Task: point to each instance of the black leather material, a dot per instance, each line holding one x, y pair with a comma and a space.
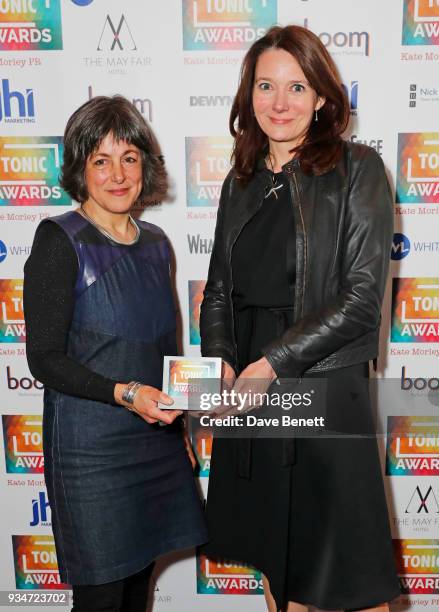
344, 229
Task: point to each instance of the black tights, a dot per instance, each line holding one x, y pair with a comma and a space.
127, 595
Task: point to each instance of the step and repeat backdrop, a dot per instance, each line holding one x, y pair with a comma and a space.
178, 61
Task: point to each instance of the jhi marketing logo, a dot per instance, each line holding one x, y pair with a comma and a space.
225, 24
202, 444
207, 163
23, 441
227, 578
41, 515
415, 310
412, 446
35, 562
418, 565
29, 171
400, 247
420, 22
12, 327
27, 25
16, 106
196, 288
417, 178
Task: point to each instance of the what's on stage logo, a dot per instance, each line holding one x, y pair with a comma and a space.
418, 565
417, 178
207, 163
225, 24
23, 442
12, 326
30, 25
420, 24
415, 310
35, 562
227, 578
412, 446
195, 288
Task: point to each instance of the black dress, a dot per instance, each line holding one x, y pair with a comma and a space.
315, 524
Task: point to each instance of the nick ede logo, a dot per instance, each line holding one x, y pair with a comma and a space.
412, 446
207, 163
420, 24
418, 565
16, 106
30, 25
23, 443
35, 562
116, 35
417, 179
227, 578
196, 289
415, 310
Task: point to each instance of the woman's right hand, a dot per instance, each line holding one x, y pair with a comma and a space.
146, 401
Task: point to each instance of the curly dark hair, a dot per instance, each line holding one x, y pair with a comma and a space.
86, 129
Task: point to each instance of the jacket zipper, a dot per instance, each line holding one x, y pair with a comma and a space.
305, 245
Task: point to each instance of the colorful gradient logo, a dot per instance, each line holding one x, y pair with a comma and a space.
12, 327
207, 163
202, 444
35, 561
412, 446
196, 288
420, 24
227, 578
29, 171
31, 26
417, 179
182, 375
415, 310
23, 441
225, 24
418, 565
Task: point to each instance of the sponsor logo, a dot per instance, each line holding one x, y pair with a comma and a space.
12, 328
227, 578
3, 251
199, 245
28, 25
351, 92
423, 501
82, 2
421, 510
375, 143
16, 106
196, 288
418, 384
210, 100
143, 105
412, 446
420, 24
225, 24
418, 565
35, 562
344, 43
29, 171
207, 163
418, 168
23, 383
419, 94
40, 511
202, 445
14, 250
182, 371
415, 310
400, 247
116, 36
23, 440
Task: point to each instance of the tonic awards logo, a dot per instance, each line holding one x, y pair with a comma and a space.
12, 327
412, 446
227, 578
196, 288
30, 25
207, 163
23, 441
417, 178
415, 310
202, 444
418, 565
420, 22
225, 24
29, 171
35, 562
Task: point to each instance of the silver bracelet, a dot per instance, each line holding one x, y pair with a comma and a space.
129, 393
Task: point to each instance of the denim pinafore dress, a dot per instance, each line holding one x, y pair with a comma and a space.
122, 492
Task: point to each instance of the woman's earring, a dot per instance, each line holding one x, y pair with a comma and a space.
316, 117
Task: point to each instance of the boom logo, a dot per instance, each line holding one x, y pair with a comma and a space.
420, 24
23, 440
12, 327
412, 446
35, 561
417, 178
30, 25
29, 171
225, 24
227, 578
207, 163
415, 310
418, 565
196, 288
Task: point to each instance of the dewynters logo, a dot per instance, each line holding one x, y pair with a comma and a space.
196, 288
415, 310
35, 562
418, 565
412, 446
12, 327
23, 441
225, 24
417, 178
207, 163
227, 578
420, 24
30, 25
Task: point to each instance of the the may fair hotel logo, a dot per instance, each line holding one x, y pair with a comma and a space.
227, 578
412, 446
420, 22
35, 562
23, 441
417, 179
225, 24
30, 25
418, 565
415, 310
29, 171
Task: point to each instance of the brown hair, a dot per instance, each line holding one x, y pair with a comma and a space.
322, 146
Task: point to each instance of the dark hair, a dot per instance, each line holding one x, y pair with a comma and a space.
86, 129
322, 145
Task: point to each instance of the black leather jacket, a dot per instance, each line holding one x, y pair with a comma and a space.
344, 229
